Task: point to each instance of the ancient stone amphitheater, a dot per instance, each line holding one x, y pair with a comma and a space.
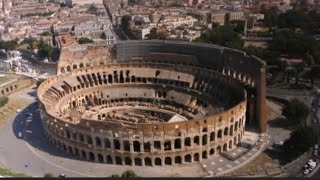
152, 103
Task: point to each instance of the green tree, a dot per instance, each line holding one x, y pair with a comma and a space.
296, 111
271, 17
128, 174
3, 100
46, 33
48, 175
85, 40
9, 45
223, 36
300, 141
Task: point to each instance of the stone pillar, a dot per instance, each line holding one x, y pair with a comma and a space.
261, 100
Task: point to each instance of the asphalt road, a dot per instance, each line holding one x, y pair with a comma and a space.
16, 152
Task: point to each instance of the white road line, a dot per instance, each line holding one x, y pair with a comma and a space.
53, 164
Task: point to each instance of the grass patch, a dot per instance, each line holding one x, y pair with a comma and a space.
9, 172
10, 108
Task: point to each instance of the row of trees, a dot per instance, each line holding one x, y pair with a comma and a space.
44, 48
9, 45
3, 100
302, 137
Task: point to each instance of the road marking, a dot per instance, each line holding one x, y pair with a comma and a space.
53, 164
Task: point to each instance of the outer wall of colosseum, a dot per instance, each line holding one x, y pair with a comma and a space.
172, 74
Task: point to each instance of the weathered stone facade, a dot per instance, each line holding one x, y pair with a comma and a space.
150, 109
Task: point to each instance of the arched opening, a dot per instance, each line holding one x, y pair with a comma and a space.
204, 155
76, 152
126, 145
231, 130
116, 144
219, 149
98, 142
230, 144
91, 156
226, 131
187, 141
107, 143
220, 133
157, 162
127, 161
196, 140
212, 136
84, 154
204, 139
211, 151
136, 146
118, 160
70, 149
137, 162
177, 160
64, 147
225, 147
196, 157
235, 141
167, 145
100, 158
148, 161
236, 126
187, 158
177, 144
157, 145
205, 129
147, 147
167, 161
109, 159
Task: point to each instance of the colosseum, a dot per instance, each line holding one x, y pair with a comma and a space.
152, 103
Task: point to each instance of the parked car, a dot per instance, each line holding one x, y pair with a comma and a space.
305, 172
18, 110
20, 134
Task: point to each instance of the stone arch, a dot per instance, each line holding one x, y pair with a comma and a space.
100, 158
84, 154
219, 149
196, 157
230, 144
62, 70
178, 160
76, 152
196, 140
81, 65
109, 159
167, 145
68, 69
187, 141
107, 143
226, 130
168, 161
211, 152
98, 142
126, 145
91, 156
225, 147
116, 143
74, 66
177, 143
231, 130
235, 140
157, 162
147, 161
236, 126
205, 129
137, 162
204, 155
212, 136
188, 158
118, 160
220, 133
127, 161
204, 139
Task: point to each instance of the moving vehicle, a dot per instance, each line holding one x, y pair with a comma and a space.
20, 134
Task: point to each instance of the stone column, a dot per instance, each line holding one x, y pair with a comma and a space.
261, 100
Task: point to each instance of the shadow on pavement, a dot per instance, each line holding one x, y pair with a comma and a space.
34, 134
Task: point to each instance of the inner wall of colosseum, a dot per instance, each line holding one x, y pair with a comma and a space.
145, 111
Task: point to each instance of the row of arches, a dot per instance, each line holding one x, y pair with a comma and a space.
140, 161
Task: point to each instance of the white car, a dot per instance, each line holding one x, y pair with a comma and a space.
20, 134
18, 110
316, 146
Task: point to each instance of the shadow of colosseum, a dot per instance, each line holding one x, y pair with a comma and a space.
34, 134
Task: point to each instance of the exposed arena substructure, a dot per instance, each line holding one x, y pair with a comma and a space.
151, 103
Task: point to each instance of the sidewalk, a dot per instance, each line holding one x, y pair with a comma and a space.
219, 165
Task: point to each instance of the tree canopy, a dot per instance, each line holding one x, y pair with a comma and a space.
299, 142
223, 36
85, 40
296, 111
9, 45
